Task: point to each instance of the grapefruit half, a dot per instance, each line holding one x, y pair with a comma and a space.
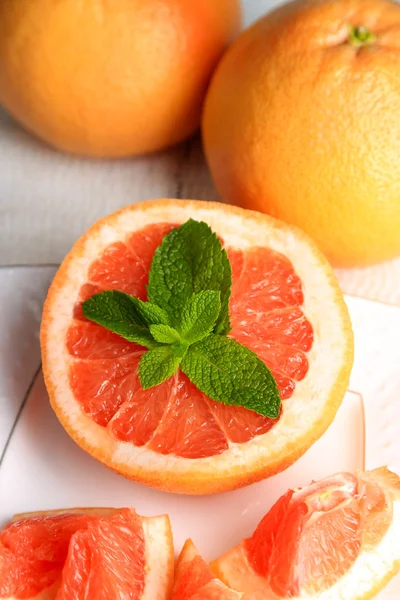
286, 305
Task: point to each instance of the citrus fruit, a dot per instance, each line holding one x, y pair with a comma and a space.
301, 122
336, 538
111, 78
285, 305
86, 553
194, 579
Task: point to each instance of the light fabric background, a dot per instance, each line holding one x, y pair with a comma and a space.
48, 199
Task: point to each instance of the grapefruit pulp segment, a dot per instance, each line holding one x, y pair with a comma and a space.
138, 418
33, 549
106, 560
191, 572
102, 386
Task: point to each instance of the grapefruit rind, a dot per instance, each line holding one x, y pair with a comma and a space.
307, 414
372, 570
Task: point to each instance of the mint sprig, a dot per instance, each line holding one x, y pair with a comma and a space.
186, 321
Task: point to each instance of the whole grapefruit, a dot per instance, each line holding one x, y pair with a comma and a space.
111, 77
302, 122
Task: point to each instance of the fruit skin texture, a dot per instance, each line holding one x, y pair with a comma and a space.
227, 472
302, 125
111, 77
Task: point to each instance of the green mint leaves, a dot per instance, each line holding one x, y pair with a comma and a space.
231, 373
186, 320
157, 365
199, 316
165, 334
190, 260
125, 315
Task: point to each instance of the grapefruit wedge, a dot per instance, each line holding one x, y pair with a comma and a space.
86, 553
286, 306
336, 538
194, 579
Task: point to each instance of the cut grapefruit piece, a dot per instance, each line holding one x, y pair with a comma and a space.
80, 553
194, 579
336, 538
286, 306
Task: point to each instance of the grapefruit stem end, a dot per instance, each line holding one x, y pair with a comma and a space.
360, 36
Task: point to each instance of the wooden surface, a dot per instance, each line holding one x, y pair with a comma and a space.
48, 199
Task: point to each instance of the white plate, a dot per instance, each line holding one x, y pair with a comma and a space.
41, 468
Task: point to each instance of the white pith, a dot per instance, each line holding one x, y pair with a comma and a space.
159, 558
301, 412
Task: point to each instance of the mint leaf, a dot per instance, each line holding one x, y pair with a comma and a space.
156, 366
199, 316
190, 260
179, 349
232, 374
149, 313
165, 334
123, 315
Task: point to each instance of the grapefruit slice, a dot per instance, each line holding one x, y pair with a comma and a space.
286, 306
337, 538
194, 579
80, 553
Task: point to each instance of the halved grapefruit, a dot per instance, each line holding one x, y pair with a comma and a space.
86, 553
286, 306
336, 538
